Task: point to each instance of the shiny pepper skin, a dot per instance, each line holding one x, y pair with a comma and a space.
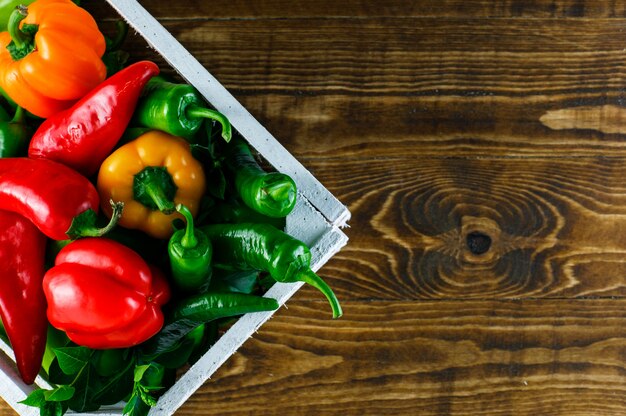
22, 301
104, 295
65, 64
116, 180
82, 136
48, 193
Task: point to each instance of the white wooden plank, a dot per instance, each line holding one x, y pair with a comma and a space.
12, 389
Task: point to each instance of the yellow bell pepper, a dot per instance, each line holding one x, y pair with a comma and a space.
151, 175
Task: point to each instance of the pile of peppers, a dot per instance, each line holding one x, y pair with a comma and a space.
135, 222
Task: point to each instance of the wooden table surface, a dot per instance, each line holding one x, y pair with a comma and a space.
480, 148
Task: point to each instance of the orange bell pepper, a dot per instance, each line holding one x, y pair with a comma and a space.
151, 175
51, 56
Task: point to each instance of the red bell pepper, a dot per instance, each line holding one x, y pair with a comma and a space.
55, 198
83, 136
22, 301
104, 295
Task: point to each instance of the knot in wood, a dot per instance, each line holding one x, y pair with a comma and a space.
478, 243
481, 237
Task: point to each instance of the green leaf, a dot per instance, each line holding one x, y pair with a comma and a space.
72, 359
146, 378
245, 281
117, 387
136, 407
115, 61
146, 397
51, 409
140, 371
59, 394
148, 389
56, 375
86, 384
175, 356
35, 399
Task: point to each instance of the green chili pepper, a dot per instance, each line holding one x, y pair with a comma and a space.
4, 116
15, 135
196, 310
177, 109
207, 307
266, 248
270, 193
190, 255
6, 8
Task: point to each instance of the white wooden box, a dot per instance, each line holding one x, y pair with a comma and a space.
317, 220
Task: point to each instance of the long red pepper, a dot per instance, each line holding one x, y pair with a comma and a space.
82, 136
48, 193
22, 300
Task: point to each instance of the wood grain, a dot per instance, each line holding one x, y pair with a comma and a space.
533, 357
480, 147
419, 82
605, 118
228, 9
557, 227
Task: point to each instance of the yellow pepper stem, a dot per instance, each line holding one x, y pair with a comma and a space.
157, 195
155, 188
17, 36
22, 39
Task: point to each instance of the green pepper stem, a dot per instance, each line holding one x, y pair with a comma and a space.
309, 276
116, 213
154, 187
158, 196
19, 116
195, 111
20, 39
189, 239
84, 224
279, 194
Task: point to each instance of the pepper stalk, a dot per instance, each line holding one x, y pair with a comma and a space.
84, 224
22, 39
190, 254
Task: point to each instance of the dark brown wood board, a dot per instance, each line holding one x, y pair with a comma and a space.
480, 147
